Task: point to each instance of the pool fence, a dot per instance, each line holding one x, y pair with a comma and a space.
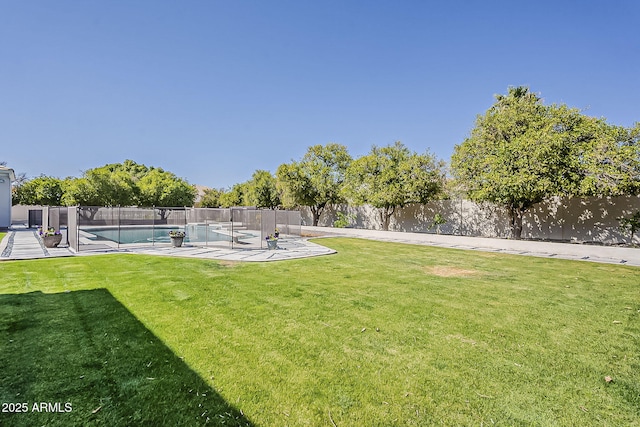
87, 228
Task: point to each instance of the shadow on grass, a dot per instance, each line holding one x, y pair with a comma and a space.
81, 358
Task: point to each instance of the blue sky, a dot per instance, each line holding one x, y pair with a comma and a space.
213, 90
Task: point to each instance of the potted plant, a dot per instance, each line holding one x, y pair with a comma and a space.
177, 237
50, 237
272, 242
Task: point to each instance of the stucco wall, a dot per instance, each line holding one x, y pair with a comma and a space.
579, 220
5, 200
20, 213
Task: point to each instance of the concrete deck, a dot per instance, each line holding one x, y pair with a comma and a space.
22, 243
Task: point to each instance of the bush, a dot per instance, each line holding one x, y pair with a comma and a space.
343, 220
631, 223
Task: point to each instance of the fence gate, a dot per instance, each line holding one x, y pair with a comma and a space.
35, 218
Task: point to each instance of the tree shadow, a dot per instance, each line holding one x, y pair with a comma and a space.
81, 358
585, 220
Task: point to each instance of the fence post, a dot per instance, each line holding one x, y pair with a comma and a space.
153, 225
76, 215
461, 218
118, 226
231, 218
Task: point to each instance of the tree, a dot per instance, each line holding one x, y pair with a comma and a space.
133, 169
43, 190
392, 177
211, 198
610, 163
81, 191
234, 197
261, 190
315, 181
521, 152
161, 188
102, 187
628, 144
127, 184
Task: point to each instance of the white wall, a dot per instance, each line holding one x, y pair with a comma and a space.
580, 220
5, 199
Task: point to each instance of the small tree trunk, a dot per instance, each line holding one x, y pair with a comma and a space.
316, 212
92, 213
515, 216
385, 217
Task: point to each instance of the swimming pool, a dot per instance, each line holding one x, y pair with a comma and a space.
195, 233
130, 234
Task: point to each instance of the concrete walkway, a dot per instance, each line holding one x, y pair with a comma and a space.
594, 253
23, 243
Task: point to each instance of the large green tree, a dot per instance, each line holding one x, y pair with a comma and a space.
316, 180
391, 177
43, 190
235, 196
101, 187
261, 190
127, 184
161, 188
521, 151
211, 198
610, 162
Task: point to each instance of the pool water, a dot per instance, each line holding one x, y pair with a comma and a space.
132, 234
194, 233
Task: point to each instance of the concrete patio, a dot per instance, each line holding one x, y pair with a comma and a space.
23, 243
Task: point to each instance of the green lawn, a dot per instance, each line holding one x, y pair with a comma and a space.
380, 334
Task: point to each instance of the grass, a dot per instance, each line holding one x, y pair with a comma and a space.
380, 334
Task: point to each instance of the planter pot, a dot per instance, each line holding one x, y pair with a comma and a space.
272, 244
176, 242
52, 241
